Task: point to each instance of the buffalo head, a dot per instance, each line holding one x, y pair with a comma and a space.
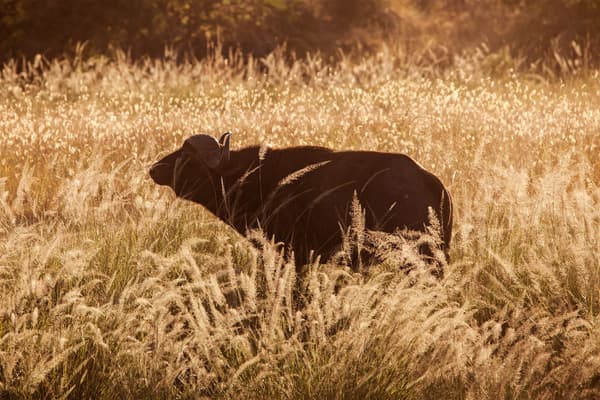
194, 168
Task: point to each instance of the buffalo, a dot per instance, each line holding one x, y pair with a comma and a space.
303, 196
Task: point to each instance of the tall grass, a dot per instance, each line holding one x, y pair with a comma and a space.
112, 288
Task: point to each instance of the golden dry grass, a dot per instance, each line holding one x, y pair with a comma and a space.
112, 288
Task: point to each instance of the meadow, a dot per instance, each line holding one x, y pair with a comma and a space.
110, 287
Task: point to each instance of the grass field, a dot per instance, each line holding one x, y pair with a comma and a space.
112, 288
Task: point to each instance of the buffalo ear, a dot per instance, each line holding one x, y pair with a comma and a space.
204, 148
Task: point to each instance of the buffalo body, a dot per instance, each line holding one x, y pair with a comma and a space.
302, 196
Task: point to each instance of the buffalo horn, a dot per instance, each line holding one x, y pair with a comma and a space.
224, 142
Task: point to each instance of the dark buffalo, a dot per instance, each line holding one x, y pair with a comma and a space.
302, 196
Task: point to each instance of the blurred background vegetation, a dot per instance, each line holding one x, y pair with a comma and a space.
541, 34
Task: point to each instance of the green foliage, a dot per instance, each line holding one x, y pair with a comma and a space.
565, 30
550, 36
145, 27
